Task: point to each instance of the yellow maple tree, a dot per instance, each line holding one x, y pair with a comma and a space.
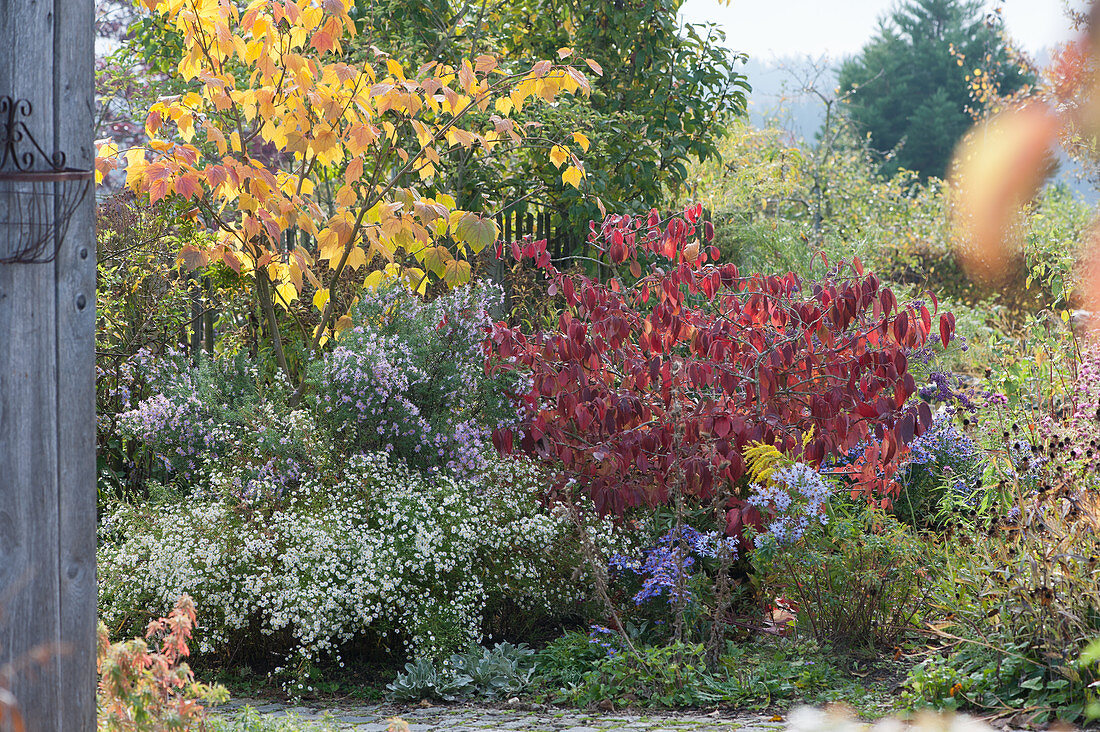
307, 166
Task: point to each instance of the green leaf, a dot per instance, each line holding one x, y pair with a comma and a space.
476, 232
457, 272
436, 259
1035, 683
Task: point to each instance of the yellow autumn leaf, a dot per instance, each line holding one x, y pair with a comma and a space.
346, 195
416, 280
572, 176
135, 157
320, 299
476, 231
436, 259
558, 155
323, 339
457, 272
135, 167
286, 293
354, 171
374, 279
581, 140
342, 324
186, 125
105, 160
356, 258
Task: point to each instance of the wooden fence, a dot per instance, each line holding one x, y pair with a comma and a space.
199, 334
561, 238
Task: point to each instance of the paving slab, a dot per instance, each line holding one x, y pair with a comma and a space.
342, 715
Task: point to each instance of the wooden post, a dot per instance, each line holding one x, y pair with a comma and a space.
47, 391
195, 336
208, 318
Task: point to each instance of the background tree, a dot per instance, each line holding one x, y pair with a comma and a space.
909, 88
663, 95
298, 159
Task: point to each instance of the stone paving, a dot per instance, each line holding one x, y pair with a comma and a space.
462, 718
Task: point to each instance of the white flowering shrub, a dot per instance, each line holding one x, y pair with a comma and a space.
373, 507
418, 558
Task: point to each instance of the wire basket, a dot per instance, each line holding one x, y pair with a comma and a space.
38, 194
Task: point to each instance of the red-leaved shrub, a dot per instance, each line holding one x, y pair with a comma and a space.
659, 385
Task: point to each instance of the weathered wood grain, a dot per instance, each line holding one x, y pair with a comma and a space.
75, 273
47, 393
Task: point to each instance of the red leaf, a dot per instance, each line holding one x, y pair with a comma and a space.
945, 330
906, 427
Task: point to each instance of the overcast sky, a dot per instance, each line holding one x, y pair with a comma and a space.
837, 28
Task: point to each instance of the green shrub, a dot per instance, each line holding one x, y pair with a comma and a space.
564, 662
761, 673
1019, 608
661, 676
762, 244
771, 670
856, 583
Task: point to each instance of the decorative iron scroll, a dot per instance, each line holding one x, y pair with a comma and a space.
38, 193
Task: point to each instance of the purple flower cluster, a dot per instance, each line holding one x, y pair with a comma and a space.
214, 418
793, 495
947, 387
364, 392
666, 566
844, 459
178, 431
930, 351
943, 444
944, 456
409, 379
602, 636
